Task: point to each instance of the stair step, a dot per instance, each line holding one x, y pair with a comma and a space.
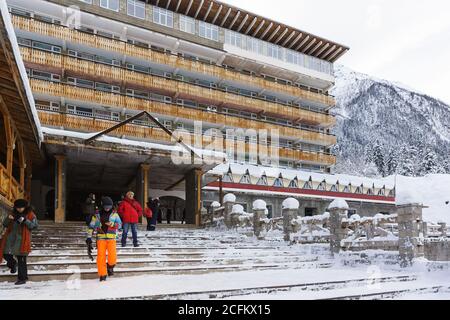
70, 275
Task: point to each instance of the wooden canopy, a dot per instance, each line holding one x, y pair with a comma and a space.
250, 24
13, 93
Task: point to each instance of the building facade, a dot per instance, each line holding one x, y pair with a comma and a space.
210, 75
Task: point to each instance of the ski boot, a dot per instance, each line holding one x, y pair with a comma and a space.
110, 270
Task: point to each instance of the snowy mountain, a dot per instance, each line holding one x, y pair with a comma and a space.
385, 128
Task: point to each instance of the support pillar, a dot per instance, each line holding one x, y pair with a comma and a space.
221, 190
193, 196
410, 233
142, 187
60, 188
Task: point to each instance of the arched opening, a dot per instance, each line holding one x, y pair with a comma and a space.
172, 210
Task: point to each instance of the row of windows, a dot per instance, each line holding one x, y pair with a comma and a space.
187, 24
276, 52
308, 185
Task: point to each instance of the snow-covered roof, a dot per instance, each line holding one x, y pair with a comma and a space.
291, 174
128, 142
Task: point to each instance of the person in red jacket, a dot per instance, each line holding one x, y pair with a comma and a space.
130, 211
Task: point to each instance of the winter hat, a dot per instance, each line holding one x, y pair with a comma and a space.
20, 203
107, 203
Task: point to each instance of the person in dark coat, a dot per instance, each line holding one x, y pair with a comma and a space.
168, 215
15, 244
154, 206
89, 208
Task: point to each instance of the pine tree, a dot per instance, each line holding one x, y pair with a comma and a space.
378, 158
429, 163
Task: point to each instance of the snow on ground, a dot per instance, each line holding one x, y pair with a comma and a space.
432, 191
321, 269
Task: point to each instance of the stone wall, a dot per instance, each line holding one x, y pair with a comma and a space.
319, 206
437, 249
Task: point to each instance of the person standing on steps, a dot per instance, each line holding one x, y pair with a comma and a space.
130, 211
106, 222
154, 206
89, 208
16, 240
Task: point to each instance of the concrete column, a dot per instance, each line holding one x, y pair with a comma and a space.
193, 196
443, 229
142, 187
410, 231
229, 201
290, 212
338, 212
60, 188
259, 213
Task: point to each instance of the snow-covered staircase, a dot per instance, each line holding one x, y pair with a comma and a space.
59, 253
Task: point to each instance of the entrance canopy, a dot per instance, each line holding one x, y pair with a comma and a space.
112, 163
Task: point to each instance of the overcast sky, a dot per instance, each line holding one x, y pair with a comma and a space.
398, 40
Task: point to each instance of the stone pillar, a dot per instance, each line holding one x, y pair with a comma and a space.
60, 188
338, 212
410, 232
142, 187
290, 212
259, 213
443, 229
193, 196
229, 201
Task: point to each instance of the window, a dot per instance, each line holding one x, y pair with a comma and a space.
334, 188
136, 9
262, 181
381, 193
294, 183
163, 17
86, 1
208, 31
278, 182
322, 186
274, 51
347, 189
187, 24
233, 38
110, 4
307, 185
245, 178
228, 177
359, 190
45, 75
46, 47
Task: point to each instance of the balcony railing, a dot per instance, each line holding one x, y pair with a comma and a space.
174, 87
57, 89
90, 124
9, 187
122, 47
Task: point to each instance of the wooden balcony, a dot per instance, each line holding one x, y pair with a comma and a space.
10, 189
101, 72
124, 48
85, 124
121, 101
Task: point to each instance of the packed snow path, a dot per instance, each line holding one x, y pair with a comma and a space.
183, 263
